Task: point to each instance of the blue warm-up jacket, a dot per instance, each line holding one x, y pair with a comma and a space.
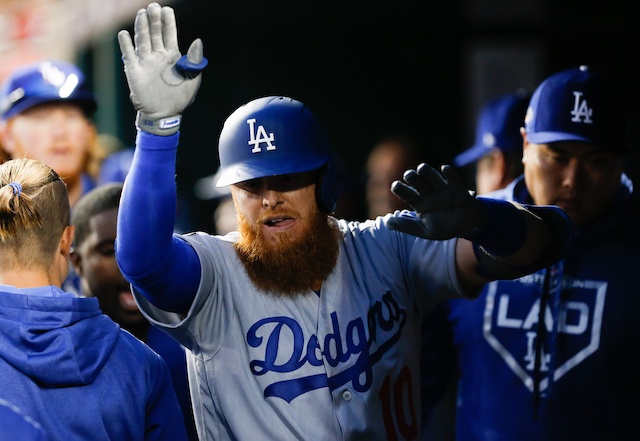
555, 355
73, 370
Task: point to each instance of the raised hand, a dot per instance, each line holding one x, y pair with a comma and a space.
162, 82
443, 205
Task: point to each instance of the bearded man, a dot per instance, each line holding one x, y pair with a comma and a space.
299, 326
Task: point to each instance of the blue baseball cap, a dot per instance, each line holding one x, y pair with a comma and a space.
498, 126
42, 82
578, 105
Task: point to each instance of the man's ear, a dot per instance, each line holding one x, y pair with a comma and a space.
525, 143
7, 141
66, 241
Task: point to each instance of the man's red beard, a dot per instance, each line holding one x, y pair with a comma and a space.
288, 267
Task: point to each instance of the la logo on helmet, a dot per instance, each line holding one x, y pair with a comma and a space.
580, 109
259, 136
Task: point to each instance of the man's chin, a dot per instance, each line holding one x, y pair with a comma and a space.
291, 262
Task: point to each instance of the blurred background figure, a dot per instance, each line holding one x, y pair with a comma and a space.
93, 259
495, 159
45, 114
117, 160
224, 212
387, 162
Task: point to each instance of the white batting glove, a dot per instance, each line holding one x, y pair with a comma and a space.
444, 206
162, 82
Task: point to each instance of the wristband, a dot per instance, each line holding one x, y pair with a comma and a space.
164, 126
504, 231
561, 229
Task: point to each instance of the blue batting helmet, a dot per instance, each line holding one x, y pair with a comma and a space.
273, 136
43, 82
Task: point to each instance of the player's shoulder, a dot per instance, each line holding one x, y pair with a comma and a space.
207, 237
136, 350
199, 239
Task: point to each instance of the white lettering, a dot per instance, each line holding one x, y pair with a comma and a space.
503, 321
532, 318
257, 137
583, 319
530, 357
581, 110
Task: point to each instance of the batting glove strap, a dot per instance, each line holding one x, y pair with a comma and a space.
163, 127
491, 267
504, 229
190, 69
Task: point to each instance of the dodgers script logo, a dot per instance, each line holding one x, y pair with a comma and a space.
259, 136
285, 350
581, 111
511, 320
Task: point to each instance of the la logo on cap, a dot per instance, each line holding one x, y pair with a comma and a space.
259, 136
581, 112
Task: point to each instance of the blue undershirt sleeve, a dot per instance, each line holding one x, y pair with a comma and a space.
161, 266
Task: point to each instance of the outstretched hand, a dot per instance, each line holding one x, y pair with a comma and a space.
443, 204
162, 82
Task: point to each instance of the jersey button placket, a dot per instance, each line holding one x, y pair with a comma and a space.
346, 395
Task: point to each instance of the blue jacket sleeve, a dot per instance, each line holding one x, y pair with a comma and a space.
161, 266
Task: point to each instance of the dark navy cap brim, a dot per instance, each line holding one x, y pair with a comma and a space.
470, 155
549, 137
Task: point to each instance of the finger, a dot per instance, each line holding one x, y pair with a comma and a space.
454, 178
193, 63
414, 179
194, 54
141, 33
432, 176
154, 11
406, 193
126, 48
169, 30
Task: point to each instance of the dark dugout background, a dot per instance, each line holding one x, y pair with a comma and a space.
370, 68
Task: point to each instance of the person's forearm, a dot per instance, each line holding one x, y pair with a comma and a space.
164, 268
517, 240
147, 209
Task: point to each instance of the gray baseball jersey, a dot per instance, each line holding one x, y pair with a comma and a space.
340, 365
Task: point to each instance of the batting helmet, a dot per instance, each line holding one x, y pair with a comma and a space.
43, 82
274, 136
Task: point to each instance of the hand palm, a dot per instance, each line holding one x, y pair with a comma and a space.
158, 88
441, 201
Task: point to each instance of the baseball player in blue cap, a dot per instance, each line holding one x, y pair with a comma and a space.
45, 114
554, 355
497, 150
299, 325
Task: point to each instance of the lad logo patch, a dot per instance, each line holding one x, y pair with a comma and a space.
581, 112
511, 326
259, 136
